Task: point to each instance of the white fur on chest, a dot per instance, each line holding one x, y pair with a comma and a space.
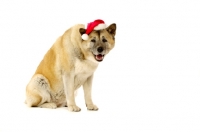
83, 70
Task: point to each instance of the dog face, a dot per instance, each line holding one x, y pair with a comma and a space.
99, 43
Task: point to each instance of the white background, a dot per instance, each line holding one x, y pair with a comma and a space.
150, 82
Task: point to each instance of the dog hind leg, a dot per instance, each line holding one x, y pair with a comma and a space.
48, 105
38, 93
33, 99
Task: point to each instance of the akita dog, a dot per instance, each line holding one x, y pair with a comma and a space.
70, 64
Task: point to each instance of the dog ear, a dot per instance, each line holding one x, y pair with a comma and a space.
112, 29
82, 31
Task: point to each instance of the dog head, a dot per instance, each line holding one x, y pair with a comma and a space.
99, 43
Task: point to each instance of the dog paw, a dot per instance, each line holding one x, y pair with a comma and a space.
92, 107
48, 105
74, 108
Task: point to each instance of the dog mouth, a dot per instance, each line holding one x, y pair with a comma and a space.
99, 57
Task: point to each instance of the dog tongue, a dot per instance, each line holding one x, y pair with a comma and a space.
99, 57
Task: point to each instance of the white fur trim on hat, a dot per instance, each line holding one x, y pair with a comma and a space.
84, 37
100, 26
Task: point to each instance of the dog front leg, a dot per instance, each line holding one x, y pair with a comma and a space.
68, 81
87, 87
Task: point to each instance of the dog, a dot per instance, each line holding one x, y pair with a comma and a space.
69, 64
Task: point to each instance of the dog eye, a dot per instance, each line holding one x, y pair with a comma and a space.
104, 40
93, 40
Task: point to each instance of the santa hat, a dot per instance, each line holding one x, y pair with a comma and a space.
95, 25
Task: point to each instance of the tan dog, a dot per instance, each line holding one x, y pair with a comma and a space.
68, 65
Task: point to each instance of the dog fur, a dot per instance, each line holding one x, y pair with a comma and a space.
68, 65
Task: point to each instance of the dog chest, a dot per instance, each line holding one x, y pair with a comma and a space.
79, 80
85, 67
83, 70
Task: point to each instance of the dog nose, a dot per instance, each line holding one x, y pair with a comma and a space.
100, 49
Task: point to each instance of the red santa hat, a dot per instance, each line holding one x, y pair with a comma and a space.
95, 25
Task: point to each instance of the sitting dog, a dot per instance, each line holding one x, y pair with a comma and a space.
69, 64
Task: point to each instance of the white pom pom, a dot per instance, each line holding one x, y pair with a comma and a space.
84, 37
